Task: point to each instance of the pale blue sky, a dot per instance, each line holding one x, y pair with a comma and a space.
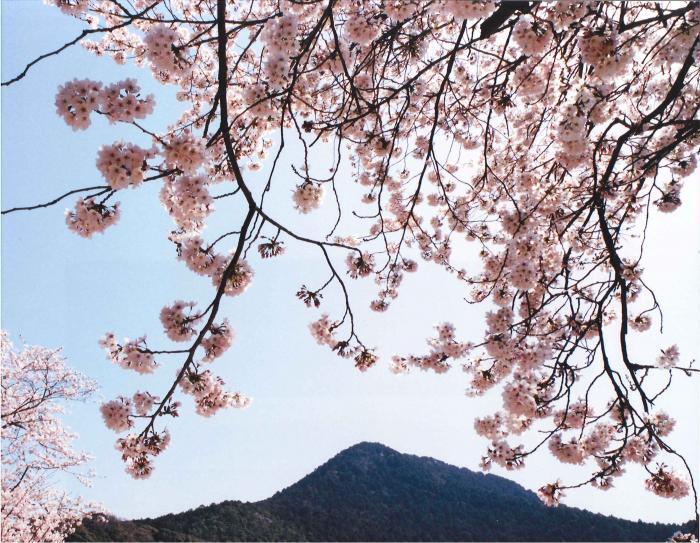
61, 290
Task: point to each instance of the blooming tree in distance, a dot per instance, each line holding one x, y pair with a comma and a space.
36, 446
544, 135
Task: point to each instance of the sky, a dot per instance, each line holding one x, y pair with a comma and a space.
60, 290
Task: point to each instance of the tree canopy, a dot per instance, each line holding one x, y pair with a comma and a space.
548, 135
36, 382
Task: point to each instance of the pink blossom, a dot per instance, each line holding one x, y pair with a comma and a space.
218, 341
131, 354
91, 217
117, 414
36, 384
668, 357
122, 164
178, 320
143, 403
308, 197
551, 494
665, 483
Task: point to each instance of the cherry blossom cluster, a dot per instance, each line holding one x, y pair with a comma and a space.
359, 29
600, 48
209, 393
76, 100
185, 152
365, 359
187, 200
532, 37
164, 50
322, 331
668, 357
122, 102
311, 298
389, 282
640, 450
359, 266
37, 383
681, 537
131, 354
551, 494
143, 403
281, 33
467, 10
75, 8
271, 248
178, 320
540, 136
667, 484
179, 323
136, 452
501, 453
280, 37
308, 197
90, 217
444, 348
218, 341
117, 414
670, 200
198, 257
238, 281
123, 164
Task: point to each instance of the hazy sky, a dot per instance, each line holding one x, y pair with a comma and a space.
61, 290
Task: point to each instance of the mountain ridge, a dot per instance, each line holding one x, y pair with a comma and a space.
370, 492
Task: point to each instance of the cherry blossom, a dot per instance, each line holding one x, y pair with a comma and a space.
668, 357
36, 384
308, 197
551, 494
185, 152
91, 217
664, 482
209, 394
131, 354
76, 100
143, 403
178, 320
122, 164
543, 138
164, 51
218, 341
117, 413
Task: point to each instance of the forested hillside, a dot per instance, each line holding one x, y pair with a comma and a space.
370, 492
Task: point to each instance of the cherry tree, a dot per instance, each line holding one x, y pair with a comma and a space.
544, 136
36, 446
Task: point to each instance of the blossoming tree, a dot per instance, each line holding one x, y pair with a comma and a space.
546, 134
36, 446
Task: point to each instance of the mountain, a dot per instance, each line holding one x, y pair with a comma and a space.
370, 492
